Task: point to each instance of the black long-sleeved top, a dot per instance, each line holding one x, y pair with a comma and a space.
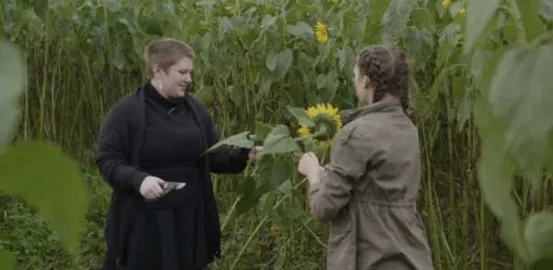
146, 134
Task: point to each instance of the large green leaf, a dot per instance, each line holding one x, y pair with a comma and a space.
496, 176
377, 9
284, 63
50, 182
421, 46
301, 115
300, 29
538, 234
546, 10
279, 141
274, 172
271, 61
12, 79
478, 16
238, 140
394, 20
262, 130
248, 196
521, 95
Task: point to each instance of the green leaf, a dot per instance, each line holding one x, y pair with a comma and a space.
484, 66
267, 202
521, 95
238, 140
262, 130
279, 142
377, 9
248, 196
346, 61
421, 46
285, 60
112, 5
300, 29
538, 234
12, 79
394, 20
478, 16
546, 10
267, 22
424, 19
301, 115
7, 261
271, 61
496, 176
264, 87
50, 182
273, 172
529, 10
150, 25
448, 42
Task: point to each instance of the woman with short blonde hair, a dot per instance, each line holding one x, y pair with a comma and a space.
163, 213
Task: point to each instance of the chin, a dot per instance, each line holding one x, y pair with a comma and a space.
180, 94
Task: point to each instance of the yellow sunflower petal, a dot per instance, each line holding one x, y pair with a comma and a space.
303, 131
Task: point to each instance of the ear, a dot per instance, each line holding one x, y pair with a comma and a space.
366, 82
157, 71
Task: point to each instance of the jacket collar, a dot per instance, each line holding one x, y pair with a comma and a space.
387, 105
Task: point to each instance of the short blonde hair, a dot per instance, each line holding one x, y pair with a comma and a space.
165, 52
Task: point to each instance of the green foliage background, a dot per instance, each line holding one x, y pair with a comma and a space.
481, 92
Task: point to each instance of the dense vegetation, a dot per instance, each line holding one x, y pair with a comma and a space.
481, 93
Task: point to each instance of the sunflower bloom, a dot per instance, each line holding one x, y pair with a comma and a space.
321, 33
327, 123
446, 3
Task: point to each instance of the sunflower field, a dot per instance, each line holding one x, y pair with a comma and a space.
278, 74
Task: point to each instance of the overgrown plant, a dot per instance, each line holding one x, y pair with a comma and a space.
482, 119
37, 172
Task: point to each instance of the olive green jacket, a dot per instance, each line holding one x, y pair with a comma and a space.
368, 193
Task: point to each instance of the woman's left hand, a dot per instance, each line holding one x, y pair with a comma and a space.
253, 152
309, 165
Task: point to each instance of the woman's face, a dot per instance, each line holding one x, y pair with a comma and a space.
175, 82
362, 86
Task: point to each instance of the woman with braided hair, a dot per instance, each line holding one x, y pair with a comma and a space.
369, 189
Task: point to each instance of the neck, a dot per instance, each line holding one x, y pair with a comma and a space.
159, 88
369, 99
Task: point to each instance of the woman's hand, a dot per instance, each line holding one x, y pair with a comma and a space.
309, 166
152, 187
253, 152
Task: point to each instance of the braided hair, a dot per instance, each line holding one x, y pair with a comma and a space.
388, 72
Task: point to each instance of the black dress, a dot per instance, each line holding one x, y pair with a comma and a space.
170, 149
145, 134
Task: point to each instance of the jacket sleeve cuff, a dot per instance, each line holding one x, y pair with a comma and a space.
314, 187
137, 179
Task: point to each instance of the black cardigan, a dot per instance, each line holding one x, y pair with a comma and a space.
119, 144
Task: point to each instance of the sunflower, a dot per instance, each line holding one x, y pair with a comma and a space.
321, 33
327, 123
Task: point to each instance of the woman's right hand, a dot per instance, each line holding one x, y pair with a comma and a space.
152, 187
